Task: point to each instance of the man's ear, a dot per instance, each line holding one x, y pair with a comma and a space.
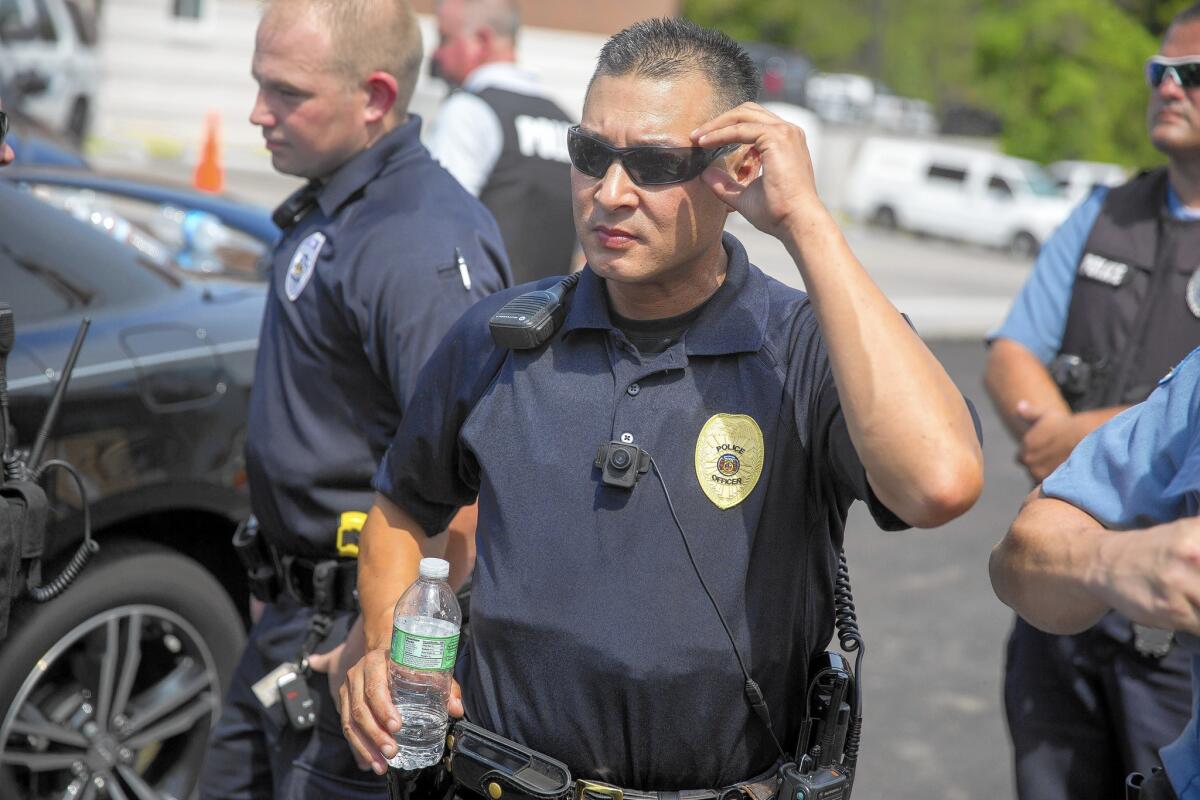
382, 92
486, 37
745, 165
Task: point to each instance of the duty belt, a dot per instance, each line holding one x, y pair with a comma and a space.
326, 585
496, 768
756, 790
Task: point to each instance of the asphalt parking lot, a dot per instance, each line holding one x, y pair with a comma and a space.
933, 726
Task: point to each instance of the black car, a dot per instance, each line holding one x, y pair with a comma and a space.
110, 689
783, 72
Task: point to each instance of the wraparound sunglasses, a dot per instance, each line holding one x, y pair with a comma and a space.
1186, 70
646, 165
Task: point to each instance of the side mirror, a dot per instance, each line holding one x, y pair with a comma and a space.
30, 83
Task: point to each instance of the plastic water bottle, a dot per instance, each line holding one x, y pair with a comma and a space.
425, 630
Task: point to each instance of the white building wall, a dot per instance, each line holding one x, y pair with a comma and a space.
160, 76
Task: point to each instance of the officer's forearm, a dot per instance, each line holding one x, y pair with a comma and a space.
390, 551
1046, 566
909, 423
1013, 374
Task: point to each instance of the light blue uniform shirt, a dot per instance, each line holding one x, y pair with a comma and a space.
1038, 317
1140, 469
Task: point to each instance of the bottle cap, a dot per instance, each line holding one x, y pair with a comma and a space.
436, 568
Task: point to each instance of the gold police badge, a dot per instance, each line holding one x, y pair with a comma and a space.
729, 458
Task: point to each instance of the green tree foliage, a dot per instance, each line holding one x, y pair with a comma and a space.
1064, 75
1066, 78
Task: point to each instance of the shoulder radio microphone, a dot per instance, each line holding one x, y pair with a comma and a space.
529, 320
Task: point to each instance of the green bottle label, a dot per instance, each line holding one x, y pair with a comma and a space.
423, 652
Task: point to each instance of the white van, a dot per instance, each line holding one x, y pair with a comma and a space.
52, 41
957, 192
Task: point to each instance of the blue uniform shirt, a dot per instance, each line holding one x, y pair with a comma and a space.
1038, 317
1140, 469
362, 290
592, 639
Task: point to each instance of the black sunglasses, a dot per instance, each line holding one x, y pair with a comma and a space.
3, 127
1186, 71
646, 165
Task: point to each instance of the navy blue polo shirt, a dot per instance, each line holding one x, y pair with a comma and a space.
362, 290
592, 639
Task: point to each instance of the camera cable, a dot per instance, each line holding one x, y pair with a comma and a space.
752, 691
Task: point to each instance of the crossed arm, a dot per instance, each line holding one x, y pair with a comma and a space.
1061, 570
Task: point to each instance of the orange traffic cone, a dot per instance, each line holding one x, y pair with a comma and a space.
209, 177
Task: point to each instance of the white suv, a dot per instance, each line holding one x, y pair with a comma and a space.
957, 192
48, 63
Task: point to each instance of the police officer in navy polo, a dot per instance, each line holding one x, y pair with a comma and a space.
1112, 303
759, 412
381, 252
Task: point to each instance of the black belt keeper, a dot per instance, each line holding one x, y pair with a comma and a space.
327, 586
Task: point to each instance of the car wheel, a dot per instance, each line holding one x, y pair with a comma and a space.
1024, 245
111, 689
884, 217
78, 122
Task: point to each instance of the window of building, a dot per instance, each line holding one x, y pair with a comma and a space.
187, 9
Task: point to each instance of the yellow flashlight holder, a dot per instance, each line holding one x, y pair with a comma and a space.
350, 526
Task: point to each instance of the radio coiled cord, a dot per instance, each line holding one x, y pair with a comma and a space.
87, 548
14, 469
851, 641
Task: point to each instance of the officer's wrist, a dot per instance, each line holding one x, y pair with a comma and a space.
1105, 557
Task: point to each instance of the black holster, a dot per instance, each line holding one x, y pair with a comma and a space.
261, 570
431, 783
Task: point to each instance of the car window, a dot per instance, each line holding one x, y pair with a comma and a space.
85, 23
14, 27
44, 25
947, 175
999, 186
60, 265
192, 240
1040, 182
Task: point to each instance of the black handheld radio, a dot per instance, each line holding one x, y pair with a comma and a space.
24, 509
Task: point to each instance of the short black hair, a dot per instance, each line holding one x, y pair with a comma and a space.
668, 48
1188, 14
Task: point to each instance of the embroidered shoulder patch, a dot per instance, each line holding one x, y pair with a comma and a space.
303, 265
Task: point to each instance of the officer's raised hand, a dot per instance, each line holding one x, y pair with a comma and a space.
785, 192
369, 719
